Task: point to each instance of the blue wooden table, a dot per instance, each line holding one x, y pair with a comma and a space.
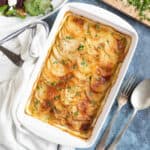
137, 136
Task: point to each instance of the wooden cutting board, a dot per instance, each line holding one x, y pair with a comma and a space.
124, 7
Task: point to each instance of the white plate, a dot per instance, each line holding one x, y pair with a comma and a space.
52, 133
10, 24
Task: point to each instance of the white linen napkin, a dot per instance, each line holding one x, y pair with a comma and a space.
13, 136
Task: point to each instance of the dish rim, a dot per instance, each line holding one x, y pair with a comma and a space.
102, 117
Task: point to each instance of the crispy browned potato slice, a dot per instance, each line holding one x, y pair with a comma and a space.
99, 83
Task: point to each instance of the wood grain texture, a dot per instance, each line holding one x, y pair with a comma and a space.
124, 7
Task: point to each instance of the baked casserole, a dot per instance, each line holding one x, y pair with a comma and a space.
78, 73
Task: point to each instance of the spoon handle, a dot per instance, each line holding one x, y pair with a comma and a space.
117, 139
101, 145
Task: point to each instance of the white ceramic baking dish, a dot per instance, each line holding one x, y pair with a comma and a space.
52, 133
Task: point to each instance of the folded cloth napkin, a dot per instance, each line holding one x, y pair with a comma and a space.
14, 23
13, 135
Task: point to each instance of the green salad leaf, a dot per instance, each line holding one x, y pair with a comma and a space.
3, 9
37, 7
11, 12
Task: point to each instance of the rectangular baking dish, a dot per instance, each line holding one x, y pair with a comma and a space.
52, 133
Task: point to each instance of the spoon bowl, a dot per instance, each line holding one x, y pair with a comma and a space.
140, 98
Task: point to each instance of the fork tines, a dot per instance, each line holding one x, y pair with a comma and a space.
129, 85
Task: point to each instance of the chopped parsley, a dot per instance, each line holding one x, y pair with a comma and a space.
68, 37
64, 62
96, 35
57, 97
107, 41
93, 102
36, 103
142, 6
53, 83
97, 26
84, 63
76, 113
69, 88
55, 62
38, 87
78, 94
90, 77
74, 66
81, 47
48, 103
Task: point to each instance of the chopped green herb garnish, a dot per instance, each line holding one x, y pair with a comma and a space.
81, 47
97, 26
96, 35
49, 103
38, 87
90, 77
55, 62
83, 63
74, 66
57, 97
69, 87
142, 6
68, 37
107, 41
36, 103
76, 113
53, 83
64, 62
78, 94
93, 102
47, 117
88, 29
58, 88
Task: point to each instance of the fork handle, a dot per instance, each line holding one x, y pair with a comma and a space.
101, 145
16, 59
114, 144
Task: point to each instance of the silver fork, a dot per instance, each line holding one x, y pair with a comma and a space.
124, 95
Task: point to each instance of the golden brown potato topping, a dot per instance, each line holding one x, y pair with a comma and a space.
80, 69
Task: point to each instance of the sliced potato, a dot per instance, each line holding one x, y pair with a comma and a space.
69, 46
57, 54
57, 68
108, 60
79, 75
90, 48
41, 91
49, 78
86, 110
70, 54
73, 92
94, 98
109, 41
75, 25
99, 83
85, 64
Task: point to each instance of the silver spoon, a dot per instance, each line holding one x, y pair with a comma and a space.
140, 99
